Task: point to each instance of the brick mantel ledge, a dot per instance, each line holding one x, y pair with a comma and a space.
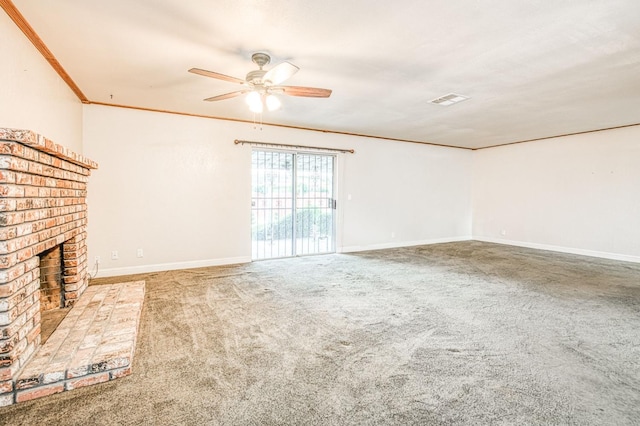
40, 143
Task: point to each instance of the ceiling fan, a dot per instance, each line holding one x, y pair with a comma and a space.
261, 85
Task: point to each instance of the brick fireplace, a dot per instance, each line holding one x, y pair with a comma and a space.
43, 220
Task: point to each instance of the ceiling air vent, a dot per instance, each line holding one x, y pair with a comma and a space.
449, 99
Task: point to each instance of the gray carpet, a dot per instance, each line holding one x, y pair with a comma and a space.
459, 333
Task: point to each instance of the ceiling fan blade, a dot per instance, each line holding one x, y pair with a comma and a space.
309, 92
280, 73
227, 95
216, 75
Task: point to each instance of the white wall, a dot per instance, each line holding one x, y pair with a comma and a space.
178, 188
32, 95
578, 194
405, 194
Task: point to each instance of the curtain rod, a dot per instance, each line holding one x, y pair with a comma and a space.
345, 151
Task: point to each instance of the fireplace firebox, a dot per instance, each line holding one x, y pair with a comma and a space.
51, 290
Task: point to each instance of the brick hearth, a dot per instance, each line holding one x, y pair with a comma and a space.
42, 205
94, 343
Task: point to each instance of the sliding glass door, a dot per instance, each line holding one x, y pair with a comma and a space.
292, 205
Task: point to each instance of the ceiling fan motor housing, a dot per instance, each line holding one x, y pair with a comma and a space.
255, 77
260, 59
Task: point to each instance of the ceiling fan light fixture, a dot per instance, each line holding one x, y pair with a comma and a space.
254, 100
273, 103
257, 108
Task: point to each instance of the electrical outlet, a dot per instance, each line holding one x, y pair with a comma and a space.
97, 260
503, 232
114, 255
393, 235
140, 253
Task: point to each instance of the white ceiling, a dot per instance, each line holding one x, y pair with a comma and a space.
531, 68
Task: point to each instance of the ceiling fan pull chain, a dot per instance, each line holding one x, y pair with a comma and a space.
257, 121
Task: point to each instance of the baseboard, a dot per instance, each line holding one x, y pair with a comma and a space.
382, 246
143, 269
561, 249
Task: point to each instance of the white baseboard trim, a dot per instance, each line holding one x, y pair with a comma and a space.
383, 246
143, 269
570, 250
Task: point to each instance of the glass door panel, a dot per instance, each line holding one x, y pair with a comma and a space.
271, 204
314, 204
